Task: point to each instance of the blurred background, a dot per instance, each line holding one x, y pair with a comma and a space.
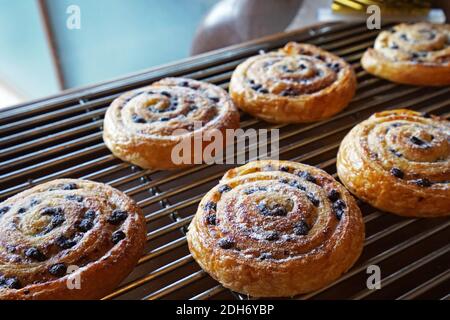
51, 45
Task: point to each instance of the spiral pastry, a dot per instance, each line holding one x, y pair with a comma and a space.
299, 83
399, 161
417, 54
276, 229
63, 226
144, 125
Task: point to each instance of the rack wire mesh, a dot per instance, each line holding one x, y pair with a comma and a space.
61, 137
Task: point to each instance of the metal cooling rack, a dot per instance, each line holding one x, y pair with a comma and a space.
61, 136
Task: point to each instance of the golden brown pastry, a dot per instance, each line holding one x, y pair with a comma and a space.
87, 228
299, 83
417, 54
276, 229
144, 125
399, 161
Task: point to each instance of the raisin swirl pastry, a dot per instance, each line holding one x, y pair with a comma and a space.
143, 126
46, 231
299, 83
399, 161
417, 54
276, 229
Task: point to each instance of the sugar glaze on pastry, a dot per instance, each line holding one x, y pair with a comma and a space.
276, 229
299, 83
63, 224
399, 161
143, 126
417, 54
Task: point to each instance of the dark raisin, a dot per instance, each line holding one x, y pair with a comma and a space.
73, 197
432, 36
90, 214
210, 206
51, 211
85, 225
263, 91
336, 67
118, 236
417, 141
70, 186
307, 176
396, 172
34, 202
164, 119
137, 119
58, 270
272, 236
263, 209
424, 182
21, 210
320, 57
301, 66
288, 93
65, 243
35, 254
256, 87
265, 256
334, 195
403, 36
211, 219
297, 185
301, 228
56, 221
193, 108
395, 152
166, 94
275, 210
224, 188
394, 46
117, 216
253, 190
339, 208
11, 283
4, 210
284, 169
313, 199
225, 243
183, 84
214, 99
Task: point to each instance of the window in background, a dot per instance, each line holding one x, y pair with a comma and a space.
26, 69
116, 38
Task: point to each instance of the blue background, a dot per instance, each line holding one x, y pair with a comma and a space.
117, 37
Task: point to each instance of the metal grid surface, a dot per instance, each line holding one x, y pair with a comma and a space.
61, 137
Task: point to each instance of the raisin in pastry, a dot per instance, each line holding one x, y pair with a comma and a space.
276, 229
299, 83
399, 161
417, 54
68, 239
144, 125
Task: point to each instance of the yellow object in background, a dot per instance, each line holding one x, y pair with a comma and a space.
388, 7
